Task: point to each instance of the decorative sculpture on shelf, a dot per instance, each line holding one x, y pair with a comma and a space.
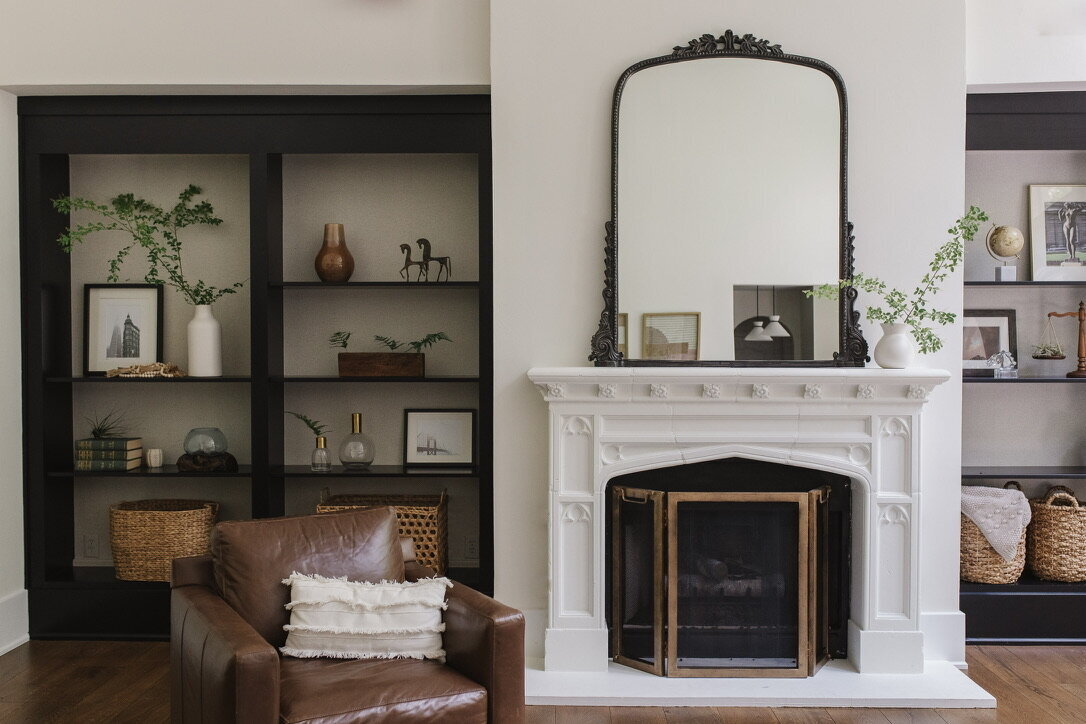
443, 262
405, 272
1079, 371
1004, 364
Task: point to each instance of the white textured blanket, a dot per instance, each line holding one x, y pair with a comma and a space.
1000, 514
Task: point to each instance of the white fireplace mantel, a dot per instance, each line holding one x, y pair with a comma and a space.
862, 423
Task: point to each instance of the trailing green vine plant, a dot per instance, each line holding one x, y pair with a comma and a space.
914, 309
153, 229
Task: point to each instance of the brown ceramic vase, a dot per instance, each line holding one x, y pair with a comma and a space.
334, 262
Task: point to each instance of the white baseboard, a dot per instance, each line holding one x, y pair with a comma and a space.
14, 621
944, 636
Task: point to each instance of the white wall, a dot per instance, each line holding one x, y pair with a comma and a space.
1011, 43
551, 110
202, 43
13, 618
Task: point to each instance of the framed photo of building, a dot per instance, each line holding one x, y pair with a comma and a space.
671, 336
986, 332
439, 438
1057, 216
122, 326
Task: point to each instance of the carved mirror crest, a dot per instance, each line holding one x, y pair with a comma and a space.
729, 188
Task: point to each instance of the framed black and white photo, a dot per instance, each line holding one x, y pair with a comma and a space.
122, 326
439, 438
1057, 217
671, 336
986, 332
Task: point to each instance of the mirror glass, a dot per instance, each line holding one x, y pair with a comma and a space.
729, 182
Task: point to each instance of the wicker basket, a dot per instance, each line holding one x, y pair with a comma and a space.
422, 517
1057, 537
980, 563
146, 535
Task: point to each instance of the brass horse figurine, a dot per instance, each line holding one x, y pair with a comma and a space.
443, 262
405, 272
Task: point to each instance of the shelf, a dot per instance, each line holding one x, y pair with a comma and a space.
1027, 584
435, 378
1026, 472
156, 380
1025, 284
375, 471
376, 285
95, 577
166, 471
1021, 380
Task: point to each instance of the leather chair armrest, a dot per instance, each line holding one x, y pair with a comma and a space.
221, 669
484, 640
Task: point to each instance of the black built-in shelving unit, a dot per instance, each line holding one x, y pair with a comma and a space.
1030, 611
78, 602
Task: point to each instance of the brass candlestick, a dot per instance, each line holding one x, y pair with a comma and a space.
1080, 371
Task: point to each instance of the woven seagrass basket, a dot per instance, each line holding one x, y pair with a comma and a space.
422, 517
146, 535
980, 563
1056, 550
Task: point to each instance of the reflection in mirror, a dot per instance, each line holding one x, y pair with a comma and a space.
728, 177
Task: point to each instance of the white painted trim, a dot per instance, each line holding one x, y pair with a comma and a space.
14, 621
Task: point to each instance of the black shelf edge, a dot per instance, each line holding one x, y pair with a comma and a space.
434, 379
1025, 283
375, 285
166, 471
1035, 472
95, 577
156, 380
1023, 380
375, 471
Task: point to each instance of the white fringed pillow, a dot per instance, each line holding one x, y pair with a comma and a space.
341, 619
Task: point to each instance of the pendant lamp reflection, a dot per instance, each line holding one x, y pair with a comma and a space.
757, 334
775, 328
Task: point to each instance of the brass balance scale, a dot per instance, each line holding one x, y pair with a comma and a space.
1049, 345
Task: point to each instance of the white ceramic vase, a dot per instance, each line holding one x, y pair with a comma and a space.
896, 349
205, 343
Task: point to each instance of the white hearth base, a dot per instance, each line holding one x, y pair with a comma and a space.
837, 684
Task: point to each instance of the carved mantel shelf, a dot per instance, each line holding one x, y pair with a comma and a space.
862, 423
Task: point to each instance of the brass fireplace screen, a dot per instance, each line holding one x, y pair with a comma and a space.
720, 584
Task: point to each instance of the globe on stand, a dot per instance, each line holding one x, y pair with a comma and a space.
1004, 243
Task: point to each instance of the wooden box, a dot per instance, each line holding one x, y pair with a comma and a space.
382, 364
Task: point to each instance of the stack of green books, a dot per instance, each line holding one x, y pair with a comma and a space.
108, 453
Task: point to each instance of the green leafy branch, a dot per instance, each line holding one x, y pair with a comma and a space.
154, 230
339, 339
316, 426
914, 309
418, 345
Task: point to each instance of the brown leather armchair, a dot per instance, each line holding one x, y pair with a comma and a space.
226, 622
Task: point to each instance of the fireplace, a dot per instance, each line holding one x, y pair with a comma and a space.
725, 568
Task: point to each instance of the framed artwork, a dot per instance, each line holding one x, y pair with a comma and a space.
1057, 221
621, 320
984, 333
438, 438
122, 326
671, 336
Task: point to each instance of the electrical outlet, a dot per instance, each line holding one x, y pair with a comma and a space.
471, 548
90, 546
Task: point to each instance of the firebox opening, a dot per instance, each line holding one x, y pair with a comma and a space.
749, 546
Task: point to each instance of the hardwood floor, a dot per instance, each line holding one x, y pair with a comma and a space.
113, 681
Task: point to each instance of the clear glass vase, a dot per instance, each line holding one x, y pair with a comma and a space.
357, 450
321, 461
205, 440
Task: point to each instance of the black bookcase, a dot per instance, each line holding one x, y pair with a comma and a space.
1029, 611
68, 601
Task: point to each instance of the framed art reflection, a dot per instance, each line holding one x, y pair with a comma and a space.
671, 336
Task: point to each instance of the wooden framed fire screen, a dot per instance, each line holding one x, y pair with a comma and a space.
720, 583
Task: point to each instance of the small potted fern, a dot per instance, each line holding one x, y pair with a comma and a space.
393, 363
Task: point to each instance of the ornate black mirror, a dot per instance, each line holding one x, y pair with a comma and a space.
729, 194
